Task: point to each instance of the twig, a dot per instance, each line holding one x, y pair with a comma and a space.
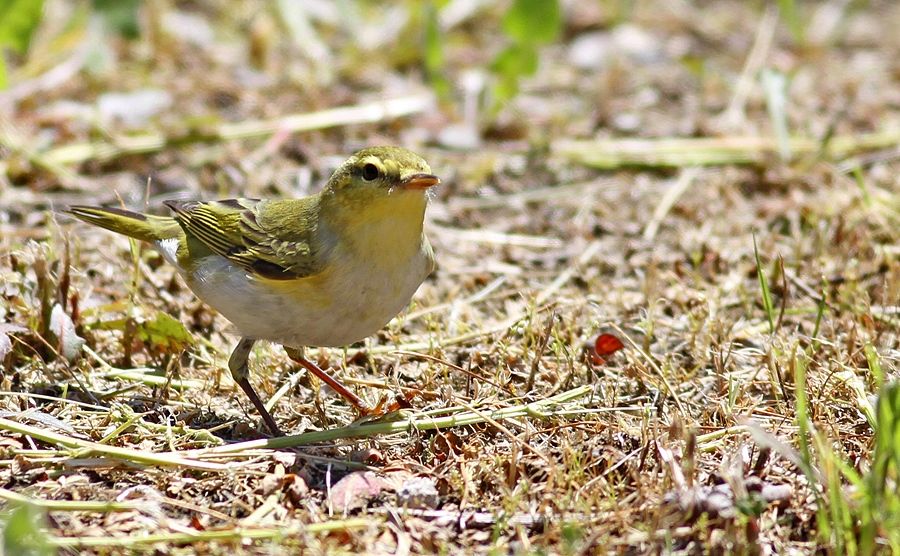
762, 44
152, 142
106, 506
55, 399
806, 288
224, 535
139, 374
288, 384
420, 423
639, 537
669, 198
711, 151
709, 441
493, 422
127, 454
71, 505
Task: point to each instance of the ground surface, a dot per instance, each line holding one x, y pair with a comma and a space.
686, 438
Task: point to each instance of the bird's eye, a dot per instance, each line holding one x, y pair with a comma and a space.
370, 172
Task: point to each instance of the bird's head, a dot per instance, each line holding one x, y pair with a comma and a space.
381, 186
381, 173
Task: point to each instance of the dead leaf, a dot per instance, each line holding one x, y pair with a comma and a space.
5, 345
68, 341
5, 342
163, 331
270, 483
296, 489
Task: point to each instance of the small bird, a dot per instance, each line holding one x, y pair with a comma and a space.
325, 270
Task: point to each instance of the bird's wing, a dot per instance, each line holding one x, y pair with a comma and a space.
271, 239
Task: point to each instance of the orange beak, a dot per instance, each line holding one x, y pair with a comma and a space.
420, 181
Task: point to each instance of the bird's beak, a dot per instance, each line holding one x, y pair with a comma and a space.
420, 181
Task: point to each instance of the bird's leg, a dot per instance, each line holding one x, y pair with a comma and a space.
343, 391
237, 363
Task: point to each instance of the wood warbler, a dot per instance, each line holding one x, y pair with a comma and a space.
326, 270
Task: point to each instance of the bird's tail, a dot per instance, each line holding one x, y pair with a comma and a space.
145, 227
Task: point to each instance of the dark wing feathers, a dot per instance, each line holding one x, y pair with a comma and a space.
272, 239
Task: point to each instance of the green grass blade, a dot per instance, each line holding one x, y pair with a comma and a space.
768, 307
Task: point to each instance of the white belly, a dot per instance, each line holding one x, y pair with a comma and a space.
352, 301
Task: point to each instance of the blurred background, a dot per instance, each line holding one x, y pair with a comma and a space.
717, 180
200, 96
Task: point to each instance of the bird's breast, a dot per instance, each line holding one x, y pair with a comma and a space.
355, 296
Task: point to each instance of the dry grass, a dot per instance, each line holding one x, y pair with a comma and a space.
649, 196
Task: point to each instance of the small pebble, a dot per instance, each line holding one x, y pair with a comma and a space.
419, 493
